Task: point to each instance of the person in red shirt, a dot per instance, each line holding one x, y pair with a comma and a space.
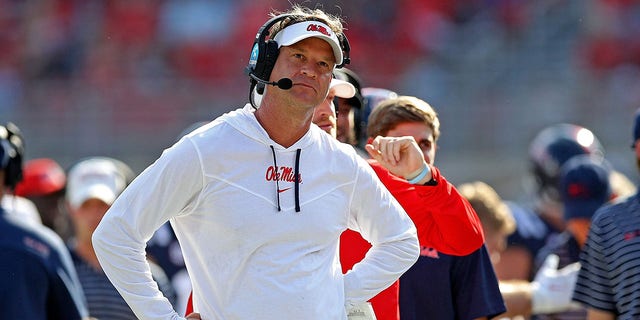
446, 222
453, 278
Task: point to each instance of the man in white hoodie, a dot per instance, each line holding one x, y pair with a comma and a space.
258, 198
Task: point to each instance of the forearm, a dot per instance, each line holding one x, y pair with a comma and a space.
595, 314
517, 298
381, 267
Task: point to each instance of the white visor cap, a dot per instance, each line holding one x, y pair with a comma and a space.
306, 29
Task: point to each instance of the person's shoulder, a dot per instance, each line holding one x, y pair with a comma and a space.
619, 210
478, 262
33, 238
21, 207
214, 134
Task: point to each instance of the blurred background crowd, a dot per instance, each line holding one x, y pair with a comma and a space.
123, 78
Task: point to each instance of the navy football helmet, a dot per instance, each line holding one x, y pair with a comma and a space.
552, 147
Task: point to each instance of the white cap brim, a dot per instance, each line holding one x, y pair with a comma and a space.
342, 89
307, 29
94, 178
96, 191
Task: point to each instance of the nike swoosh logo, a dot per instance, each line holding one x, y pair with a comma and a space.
283, 190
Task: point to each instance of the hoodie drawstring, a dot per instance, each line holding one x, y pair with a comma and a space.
275, 164
296, 179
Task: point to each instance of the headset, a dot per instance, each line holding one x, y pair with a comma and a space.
265, 52
12, 143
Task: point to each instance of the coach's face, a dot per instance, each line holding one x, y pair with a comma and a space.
309, 64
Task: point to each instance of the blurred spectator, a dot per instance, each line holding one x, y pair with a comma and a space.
584, 187
452, 278
496, 218
608, 283
349, 120
43, 183
37, 276
542, 218
93, 184
14, 205
324, 114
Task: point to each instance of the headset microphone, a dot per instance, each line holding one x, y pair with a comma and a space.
284, 83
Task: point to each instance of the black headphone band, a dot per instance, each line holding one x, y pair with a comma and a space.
263, 32
265, 52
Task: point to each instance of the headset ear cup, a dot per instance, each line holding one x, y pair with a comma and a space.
266, 61
270, 58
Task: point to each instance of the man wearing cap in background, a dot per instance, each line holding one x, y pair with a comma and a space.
43, 183
258, 198
349, 109
608, 283
324, 115
93, 185
584, 187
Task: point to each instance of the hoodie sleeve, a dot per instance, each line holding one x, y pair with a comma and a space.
444, 219
159, 193
380, 220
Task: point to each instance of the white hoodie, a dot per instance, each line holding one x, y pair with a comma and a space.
247, 259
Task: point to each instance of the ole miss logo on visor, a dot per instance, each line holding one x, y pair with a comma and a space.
319, 28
